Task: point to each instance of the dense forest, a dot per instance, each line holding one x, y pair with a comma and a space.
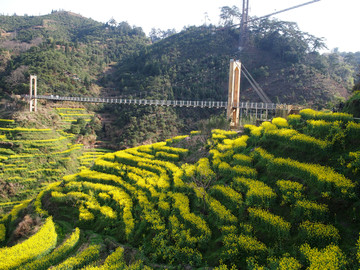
69, 53
76, 56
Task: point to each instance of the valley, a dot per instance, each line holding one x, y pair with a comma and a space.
117, 183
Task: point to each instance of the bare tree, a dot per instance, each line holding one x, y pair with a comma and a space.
18, 76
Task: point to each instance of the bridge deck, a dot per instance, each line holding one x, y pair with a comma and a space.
173, 103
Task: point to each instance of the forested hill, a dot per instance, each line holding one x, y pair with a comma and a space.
73, 56
68, 52
194, 64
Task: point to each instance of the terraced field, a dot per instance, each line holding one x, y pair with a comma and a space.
284, 195
71, 115
32, 158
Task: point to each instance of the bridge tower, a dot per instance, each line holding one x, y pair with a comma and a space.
244, 24
233, 109
33, 92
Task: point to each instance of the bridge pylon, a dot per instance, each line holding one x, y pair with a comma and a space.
33, 92
233, 109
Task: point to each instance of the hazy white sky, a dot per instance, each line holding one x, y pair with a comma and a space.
337, 21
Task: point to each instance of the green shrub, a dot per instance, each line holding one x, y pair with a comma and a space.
358, 250
228, 196
352, 133
280, 122
2, 232
309, 114
319, 128
57, 255
300, 142
295, 121
40, 244
290, 191
284, 263
167, 156
310, 210
330, 257
256, 192
318, 234
267, 222
219, 213
242, 159
88, 255
322, 178
236, 248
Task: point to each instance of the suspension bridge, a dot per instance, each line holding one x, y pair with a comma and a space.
236, 109
155, 102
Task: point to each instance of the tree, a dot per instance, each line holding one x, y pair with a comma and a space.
112, 22
284, 39
17, 77
229, 14
357, 86
78, 126
67, 50
155, 34
87, 81
158, 34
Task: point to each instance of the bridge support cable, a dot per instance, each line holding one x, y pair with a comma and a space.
263, 98
234, 106
255, 85
283, 10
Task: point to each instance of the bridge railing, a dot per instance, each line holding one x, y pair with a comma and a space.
173, 103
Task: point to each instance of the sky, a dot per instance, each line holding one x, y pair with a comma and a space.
336, 21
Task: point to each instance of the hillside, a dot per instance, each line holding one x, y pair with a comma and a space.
30, 158
77, 56
68, 52
285, 195
352, 105
194, 64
